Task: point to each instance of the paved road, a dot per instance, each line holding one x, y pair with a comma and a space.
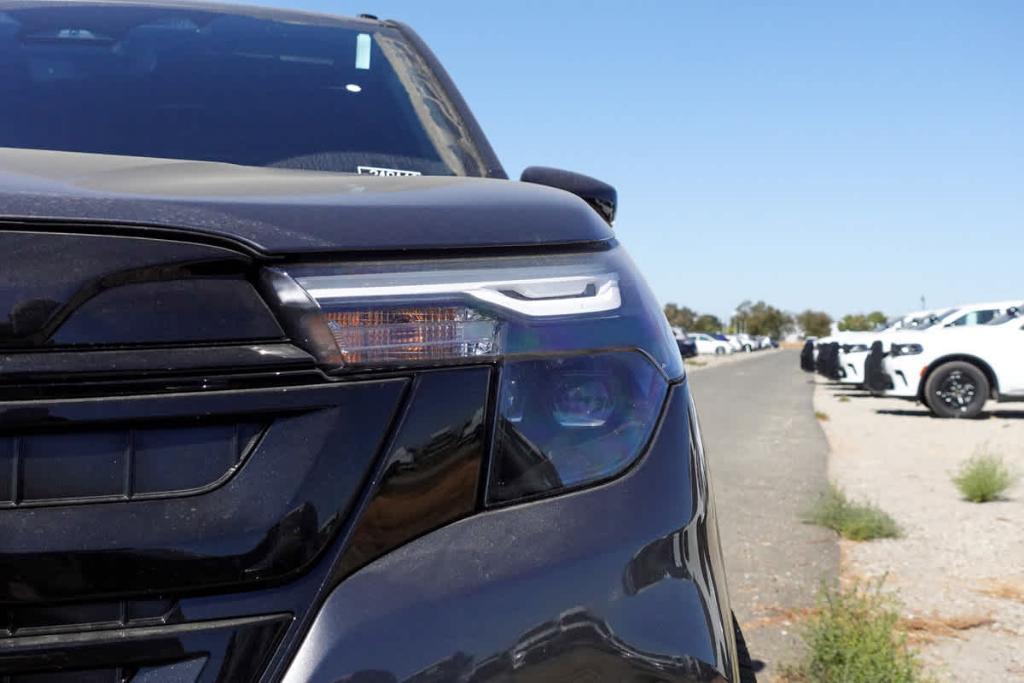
768, 460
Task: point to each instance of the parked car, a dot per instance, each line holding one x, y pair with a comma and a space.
854, 346
955, 371
744, 341
856, 357
687, 346
707, 343
295, 383
733, 341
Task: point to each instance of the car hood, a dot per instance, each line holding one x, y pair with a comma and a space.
280, 211
953, 335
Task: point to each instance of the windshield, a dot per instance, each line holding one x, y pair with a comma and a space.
186, 83
1012, 313
931, 320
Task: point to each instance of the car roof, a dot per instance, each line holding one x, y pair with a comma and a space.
273, 13
987, 304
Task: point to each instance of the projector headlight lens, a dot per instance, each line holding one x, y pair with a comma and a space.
584, 353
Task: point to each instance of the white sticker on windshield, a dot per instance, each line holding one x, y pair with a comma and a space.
363, 51
386, 172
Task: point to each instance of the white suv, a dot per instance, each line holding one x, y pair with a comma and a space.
854, 346
708, 344
961, 316
956, 370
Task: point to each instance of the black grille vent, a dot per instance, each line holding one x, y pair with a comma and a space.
39, 620
117, 464
116, 675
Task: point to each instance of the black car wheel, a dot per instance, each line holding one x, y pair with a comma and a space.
747, 674
719, 351
956, 389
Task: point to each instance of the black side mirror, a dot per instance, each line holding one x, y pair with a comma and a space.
601, 196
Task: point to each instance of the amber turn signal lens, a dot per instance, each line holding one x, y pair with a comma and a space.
412, 334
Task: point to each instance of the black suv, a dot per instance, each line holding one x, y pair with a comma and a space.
296, 385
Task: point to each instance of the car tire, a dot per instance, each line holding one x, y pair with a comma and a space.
719, 350
956, 389
748, 348
746, 664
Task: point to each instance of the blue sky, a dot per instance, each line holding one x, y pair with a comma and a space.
846, 156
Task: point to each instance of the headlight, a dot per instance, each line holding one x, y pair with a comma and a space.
585, 355
906, 349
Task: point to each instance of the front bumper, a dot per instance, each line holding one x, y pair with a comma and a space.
622, 581
852, 364
904, 376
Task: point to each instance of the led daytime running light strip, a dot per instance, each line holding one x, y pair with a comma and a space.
531, 297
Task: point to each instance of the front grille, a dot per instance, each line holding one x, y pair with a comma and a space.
156, 461
50, 619
180, 484
807, 357
225, 650
828, 360
875, 377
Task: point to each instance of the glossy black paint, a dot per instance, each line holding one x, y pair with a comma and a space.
72, 290
65, 374
117, 463
291, 490
273, 517
288, 211
601, 196
431, 474
589, 582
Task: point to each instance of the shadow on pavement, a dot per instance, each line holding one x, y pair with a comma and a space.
924, 412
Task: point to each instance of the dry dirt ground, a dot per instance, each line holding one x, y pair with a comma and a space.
959, 567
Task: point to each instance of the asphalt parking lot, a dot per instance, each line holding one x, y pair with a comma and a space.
769, 462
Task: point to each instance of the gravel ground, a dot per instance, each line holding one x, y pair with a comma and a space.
960, 565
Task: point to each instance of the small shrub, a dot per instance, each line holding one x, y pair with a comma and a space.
853, 520
854, 637
984, 478
844, 399
821, 416
695, 363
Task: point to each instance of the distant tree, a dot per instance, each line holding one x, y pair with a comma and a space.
877, 319
680, 316
859, 322
854, 322
739, 320
762, 319
814, 323
707, 323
